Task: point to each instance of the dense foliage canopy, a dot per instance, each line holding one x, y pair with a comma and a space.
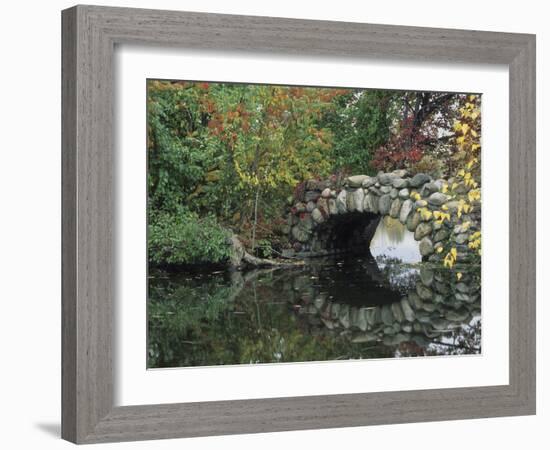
228, 156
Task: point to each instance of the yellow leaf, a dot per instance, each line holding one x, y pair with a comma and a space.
459, 275
475, 235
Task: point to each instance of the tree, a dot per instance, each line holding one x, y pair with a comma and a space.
421, 137
360, 124
271, 139
179, 152
223, 149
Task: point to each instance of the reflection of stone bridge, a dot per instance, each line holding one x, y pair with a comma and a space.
328, 217
437, 305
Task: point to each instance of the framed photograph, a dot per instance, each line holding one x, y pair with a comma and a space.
279, 224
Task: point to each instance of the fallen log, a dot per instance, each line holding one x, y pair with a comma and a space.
240, 258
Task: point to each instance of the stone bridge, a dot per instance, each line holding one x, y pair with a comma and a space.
328, 217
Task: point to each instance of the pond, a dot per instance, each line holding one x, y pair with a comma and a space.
383, 304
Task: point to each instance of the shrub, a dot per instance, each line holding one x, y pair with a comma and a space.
184, 238
429, 164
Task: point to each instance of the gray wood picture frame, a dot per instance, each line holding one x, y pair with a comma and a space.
89, 37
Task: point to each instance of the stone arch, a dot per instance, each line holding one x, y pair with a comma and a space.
328, 217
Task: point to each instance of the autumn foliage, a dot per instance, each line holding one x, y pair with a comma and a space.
237, 152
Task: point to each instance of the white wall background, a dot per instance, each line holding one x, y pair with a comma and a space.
31, 208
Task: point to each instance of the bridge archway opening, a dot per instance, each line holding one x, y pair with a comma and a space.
392, 240
346, 233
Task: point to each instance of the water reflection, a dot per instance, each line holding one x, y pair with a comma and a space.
378, 305
393, 240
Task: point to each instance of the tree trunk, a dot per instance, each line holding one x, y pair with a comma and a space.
255, 218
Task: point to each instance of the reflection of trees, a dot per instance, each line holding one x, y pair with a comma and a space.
464, 340
286, 315
394, 230
401, 277
214, 320
176, 311
393, 239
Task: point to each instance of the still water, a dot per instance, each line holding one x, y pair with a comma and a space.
384, 304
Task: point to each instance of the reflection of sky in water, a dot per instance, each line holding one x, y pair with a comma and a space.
393, 240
